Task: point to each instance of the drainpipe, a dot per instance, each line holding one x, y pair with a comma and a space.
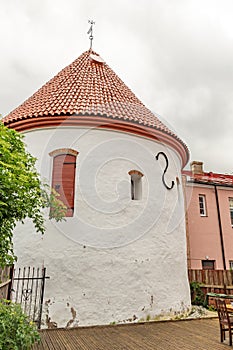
184, 181
220, 228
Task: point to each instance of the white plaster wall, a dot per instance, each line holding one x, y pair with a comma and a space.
116, 259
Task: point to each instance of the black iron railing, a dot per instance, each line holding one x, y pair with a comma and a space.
28, 290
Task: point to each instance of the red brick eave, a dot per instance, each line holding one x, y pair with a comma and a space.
103, 122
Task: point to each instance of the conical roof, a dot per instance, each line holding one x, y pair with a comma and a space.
88, 91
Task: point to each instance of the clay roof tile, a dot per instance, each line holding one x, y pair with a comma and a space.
87, 87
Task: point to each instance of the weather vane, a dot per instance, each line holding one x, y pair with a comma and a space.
90, 31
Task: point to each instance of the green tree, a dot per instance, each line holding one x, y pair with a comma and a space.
22, 193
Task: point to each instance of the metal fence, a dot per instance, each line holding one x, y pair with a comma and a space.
28, 287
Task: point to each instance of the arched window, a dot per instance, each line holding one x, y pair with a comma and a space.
136, 184
63, 176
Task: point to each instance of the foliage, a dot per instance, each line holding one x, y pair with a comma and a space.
211, 308
16, 331
197, 295
21, 192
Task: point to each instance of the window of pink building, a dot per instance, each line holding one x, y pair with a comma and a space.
202, 205
231, 210
208, 264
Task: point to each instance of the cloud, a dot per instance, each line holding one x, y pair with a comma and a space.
175, 55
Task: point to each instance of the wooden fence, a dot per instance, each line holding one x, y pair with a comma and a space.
6, 275
213, 281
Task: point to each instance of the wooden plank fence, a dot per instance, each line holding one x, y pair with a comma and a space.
6, 275
213, 281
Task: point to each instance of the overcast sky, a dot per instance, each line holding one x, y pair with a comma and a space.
175, 55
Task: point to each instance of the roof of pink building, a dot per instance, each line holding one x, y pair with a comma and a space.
87, 90
210, 178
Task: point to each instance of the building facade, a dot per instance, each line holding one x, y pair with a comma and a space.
209, 205
120, 255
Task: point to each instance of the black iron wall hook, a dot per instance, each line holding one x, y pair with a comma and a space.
165, 170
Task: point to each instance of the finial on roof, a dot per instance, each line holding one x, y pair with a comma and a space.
90, 31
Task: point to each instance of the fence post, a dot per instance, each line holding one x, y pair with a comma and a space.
11, 282
42, 296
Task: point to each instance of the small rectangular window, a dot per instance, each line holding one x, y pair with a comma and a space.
136, 184
202, 205
231, 210
231, 264
208, 264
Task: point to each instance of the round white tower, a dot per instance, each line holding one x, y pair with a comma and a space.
120, 255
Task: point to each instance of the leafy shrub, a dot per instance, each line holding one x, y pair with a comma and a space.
211, 308
16, 331
197, 295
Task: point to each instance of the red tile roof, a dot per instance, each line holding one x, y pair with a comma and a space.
87, 87
209, 178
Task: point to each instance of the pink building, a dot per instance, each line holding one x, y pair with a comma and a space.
209, 203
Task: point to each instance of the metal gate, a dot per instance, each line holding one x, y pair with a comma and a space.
28, 290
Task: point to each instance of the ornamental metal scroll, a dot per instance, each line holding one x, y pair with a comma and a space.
165, 170
26, 293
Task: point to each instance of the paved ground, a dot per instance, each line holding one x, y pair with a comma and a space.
201, 334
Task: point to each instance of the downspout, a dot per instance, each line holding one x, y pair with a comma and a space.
220, 228
184, 184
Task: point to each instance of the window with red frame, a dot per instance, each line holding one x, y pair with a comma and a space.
63, 179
